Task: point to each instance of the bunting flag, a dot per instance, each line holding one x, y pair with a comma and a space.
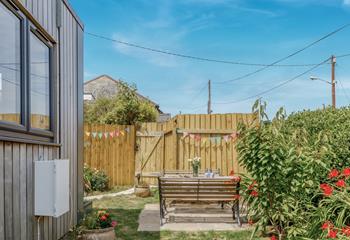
192, 136
94, 134
87, 134
116, 132
197, 138
122, 133
226, 138
127, 130
100, 135
106, 135
184, 135
111, 134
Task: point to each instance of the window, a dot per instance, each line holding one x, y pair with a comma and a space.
10, 66
39, 83
26, 101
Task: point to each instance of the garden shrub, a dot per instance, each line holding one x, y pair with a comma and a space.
287, 159
95, 180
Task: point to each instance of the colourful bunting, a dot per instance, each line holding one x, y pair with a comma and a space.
127, 130
111, 134
94, 134
106, 135
100, 135
184, 135
87, 134
122, 133
197, 138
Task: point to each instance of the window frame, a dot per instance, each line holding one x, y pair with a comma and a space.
23, 131
37, 131
21, 126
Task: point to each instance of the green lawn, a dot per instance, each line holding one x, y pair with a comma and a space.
126, 209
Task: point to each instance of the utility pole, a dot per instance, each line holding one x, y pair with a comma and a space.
209, 97
333, 62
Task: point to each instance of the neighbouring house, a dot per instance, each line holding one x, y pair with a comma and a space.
107, 86
41, 118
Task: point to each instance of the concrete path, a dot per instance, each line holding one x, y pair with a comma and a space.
97, 197
149, 221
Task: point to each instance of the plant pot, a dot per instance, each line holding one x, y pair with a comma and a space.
142, 191
99, 234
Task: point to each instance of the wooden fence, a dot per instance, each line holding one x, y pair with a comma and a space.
168, 146
155, 147
111, 148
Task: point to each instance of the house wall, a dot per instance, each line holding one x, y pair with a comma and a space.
17, 157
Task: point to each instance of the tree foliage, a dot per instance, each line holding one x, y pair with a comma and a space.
126, 108
287, 159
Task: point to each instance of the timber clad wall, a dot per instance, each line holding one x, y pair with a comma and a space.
17, 159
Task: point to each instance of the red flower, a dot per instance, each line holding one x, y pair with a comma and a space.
340, 183
250, 222
254, 193
327, 190
346, 172
332, 233
326, 225
273, 237
346, 231
333, 174
103, 218
114, 223
251, 186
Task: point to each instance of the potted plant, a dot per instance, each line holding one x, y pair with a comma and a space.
195, 163
97, 225
142, 189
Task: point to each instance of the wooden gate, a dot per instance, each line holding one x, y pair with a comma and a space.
168, 146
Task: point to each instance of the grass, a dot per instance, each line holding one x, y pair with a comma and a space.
126, 210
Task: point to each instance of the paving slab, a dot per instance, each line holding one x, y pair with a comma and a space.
149, 220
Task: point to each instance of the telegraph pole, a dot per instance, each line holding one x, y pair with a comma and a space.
209, 97
333, 62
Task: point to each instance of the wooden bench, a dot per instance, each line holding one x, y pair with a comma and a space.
208, 190
187, 172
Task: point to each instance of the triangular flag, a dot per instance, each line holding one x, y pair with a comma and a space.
100, 135
94, 134
116, 133
106, 135
127, 130
87, 134
197, 137
122, 133
226, 138
192, 136
184, 135
111, 134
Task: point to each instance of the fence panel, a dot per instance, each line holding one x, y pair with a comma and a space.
111, 148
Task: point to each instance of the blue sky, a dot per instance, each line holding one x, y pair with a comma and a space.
259, 31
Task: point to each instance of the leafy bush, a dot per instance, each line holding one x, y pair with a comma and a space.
287, 159
95, 180
125, 109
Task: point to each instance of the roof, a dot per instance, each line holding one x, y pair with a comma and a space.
119, 82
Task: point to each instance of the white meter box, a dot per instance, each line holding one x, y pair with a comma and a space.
51, 186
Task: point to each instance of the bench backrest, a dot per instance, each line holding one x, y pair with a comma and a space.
199, 189
188, 172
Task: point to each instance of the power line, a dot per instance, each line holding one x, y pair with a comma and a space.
195, 57
285, 58
276, 86
345, 92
